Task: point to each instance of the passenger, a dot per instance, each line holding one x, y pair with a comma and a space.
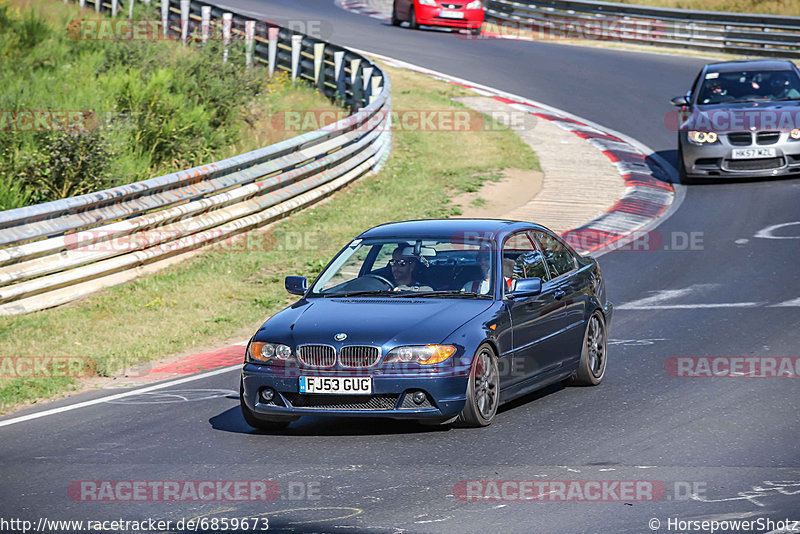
482, 286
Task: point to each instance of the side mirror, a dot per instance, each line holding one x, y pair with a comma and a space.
680, 101
296, 285
526, 287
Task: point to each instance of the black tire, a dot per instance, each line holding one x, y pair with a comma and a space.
395, 21
475, 31
257, 421
685, 180
412, 19
483, 390
594, 352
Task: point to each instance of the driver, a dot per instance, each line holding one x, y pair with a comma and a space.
406, 270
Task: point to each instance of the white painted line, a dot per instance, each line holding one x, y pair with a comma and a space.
102, 400
660, 300
693, 306
766, 233
787, 304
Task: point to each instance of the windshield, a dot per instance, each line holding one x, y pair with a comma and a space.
749, 86
427, 267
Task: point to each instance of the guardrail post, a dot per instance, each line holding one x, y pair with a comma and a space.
375, 90
249, 41
97, 4
272, 53
82, 3
366, 74
227, 21
319, 66
297, 43
355, 84
114, 7
205, 24
130, 9
184, 20
339, 74
165, 17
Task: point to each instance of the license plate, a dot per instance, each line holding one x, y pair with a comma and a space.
340, 385
753, 153
451, 14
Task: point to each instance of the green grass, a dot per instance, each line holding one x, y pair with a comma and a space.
774, 7
151, 107
217, 297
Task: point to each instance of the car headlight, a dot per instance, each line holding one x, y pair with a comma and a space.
427, 2
474, 5
703, 137
795, 134
259, 351
421, 354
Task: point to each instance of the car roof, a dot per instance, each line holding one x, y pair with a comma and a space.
750, 64
439, 227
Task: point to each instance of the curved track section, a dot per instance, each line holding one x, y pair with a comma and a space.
722, 281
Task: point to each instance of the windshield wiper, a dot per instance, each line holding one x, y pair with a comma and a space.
382, 292
450, 294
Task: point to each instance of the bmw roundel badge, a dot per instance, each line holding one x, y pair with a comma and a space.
341, 336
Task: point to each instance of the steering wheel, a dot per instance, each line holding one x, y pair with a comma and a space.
381, 278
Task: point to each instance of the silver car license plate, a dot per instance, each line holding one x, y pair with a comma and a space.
336, 385
451, 14
753, 153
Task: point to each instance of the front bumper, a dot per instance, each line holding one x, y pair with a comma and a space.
716, 161
430, 16
391, 395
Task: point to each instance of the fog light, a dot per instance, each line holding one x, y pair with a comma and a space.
419, 397
267, 394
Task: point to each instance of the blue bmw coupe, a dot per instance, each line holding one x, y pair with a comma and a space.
435, 320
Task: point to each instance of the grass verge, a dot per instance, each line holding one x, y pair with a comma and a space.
219, 296
774, 7
137, 108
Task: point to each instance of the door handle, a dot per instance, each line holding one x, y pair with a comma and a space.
559, 294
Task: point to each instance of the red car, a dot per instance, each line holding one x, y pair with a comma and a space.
462, 14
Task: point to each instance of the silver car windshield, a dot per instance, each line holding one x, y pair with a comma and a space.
749, 86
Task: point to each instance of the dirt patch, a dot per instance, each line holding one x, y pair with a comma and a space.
496, 198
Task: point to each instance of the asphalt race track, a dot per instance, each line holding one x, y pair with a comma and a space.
718, 448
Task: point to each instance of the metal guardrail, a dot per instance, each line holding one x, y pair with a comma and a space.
59, 251
737, 33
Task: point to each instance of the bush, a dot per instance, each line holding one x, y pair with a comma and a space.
67, 164
161, 107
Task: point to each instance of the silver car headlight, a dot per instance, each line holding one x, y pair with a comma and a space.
700, 138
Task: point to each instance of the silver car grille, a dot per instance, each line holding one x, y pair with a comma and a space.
317, 355
767, 138
740, 138
359, 356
